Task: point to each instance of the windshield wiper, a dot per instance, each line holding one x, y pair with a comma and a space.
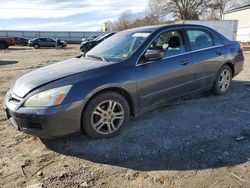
98, 57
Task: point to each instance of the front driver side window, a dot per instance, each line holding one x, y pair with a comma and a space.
171, 42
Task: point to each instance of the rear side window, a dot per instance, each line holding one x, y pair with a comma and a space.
49, 40
217, 42
199, 39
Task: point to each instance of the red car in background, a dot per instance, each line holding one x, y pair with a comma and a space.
6, 42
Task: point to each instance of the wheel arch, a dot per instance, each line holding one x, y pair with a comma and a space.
231, 65
123, 92
36, 43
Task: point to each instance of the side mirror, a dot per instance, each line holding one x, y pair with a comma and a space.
152, 55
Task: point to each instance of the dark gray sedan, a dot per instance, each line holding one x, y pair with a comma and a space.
122, 77
46, 42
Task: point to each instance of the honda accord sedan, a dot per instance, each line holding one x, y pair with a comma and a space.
127, 74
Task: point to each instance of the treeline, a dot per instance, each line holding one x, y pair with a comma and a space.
162, 11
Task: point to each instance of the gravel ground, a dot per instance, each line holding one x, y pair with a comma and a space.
200, 142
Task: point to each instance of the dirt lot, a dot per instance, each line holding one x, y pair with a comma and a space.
200, 142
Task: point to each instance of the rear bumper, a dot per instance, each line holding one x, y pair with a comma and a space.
50, 122
239, 64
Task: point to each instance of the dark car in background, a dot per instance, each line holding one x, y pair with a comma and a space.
88, 45
46, 42
123, 76
5, 42
21, 41
89, 38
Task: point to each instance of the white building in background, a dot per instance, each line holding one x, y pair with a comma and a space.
241, 14
226, 27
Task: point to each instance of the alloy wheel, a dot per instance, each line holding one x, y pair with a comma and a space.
225, 80
107, 117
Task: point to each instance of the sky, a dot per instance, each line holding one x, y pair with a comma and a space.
63, 15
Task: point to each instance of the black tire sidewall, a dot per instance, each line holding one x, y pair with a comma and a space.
86, 117
3, 45
216, 88
36, 46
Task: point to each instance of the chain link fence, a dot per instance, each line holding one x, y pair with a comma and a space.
70, 37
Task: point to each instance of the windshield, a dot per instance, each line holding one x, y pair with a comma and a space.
119, 47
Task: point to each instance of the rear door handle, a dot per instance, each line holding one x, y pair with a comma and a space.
219, 52
185, 62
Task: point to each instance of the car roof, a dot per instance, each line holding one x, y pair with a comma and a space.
160, 28
153, 28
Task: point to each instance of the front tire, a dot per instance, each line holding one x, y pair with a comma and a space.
106, 115
36, 46
223, 80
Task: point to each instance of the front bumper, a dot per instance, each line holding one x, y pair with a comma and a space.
49, 123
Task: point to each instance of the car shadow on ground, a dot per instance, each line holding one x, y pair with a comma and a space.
7, 62
13, 48
200, 133
53, 48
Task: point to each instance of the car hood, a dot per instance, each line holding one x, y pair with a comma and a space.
44, 75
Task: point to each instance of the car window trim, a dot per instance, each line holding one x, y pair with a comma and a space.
215, 36
211, 33
200, 29
190, 52
185, 35
158, 35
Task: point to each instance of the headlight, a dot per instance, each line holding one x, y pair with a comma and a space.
50, 97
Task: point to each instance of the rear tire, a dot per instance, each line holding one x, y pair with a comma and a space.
3, 45
223, 81
105, 115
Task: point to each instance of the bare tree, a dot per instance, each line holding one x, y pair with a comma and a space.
219, 7
157, 9
129, 20
182, 9
125, 21
179, 9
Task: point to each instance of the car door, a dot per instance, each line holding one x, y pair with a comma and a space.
50, 42
42, 42
169, 77
207, 53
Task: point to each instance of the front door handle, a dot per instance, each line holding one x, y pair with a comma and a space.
185, 62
